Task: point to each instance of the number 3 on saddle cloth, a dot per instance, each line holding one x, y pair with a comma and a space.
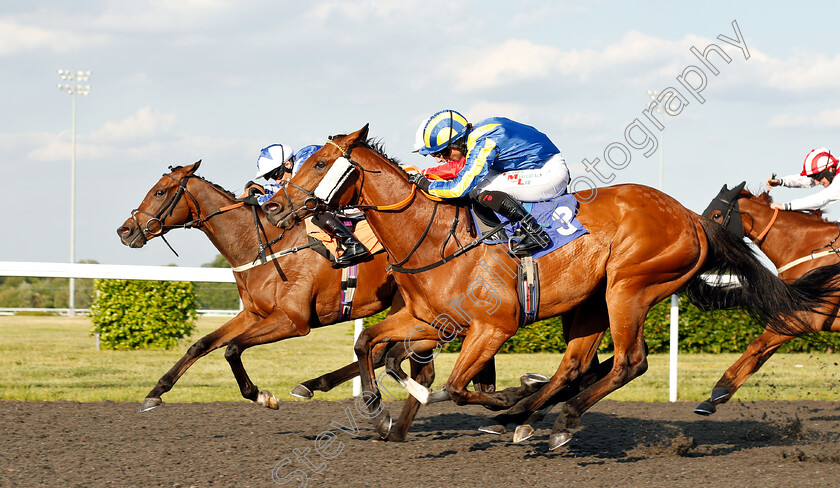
558, 217
328, 246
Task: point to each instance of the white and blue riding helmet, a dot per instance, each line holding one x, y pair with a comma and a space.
272, 157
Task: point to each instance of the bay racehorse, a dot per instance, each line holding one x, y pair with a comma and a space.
796, 243
642, 246
285, 297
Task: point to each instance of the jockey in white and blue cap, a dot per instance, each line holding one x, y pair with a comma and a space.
278, 163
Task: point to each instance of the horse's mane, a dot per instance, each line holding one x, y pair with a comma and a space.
376, 146
218, 187
765, 198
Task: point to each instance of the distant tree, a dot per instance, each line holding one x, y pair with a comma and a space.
218, 262
217, 296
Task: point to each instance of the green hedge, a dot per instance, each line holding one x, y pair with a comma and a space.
133, 314
707, 332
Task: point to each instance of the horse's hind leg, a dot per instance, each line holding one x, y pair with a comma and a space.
583, 330
753, 358
627, 307
332, 379
201, 347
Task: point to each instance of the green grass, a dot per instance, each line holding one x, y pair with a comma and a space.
53, 358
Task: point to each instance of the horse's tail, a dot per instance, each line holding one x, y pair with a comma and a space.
761, 293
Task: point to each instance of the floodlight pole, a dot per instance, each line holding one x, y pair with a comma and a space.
73, 88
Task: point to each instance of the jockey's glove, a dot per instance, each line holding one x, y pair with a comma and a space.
421, 181
251, 199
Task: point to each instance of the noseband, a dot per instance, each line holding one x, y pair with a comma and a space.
313, 202
160, 218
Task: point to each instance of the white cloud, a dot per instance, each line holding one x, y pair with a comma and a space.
484, 109
517, 60
16, 38
138, 132
801, 73
823, 119
146, 123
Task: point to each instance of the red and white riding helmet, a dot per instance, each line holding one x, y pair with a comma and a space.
817, 161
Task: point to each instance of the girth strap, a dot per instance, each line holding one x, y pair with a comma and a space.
348, 289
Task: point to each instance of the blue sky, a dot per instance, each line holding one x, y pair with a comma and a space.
217, 80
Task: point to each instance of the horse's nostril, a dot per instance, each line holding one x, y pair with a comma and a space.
271, 207
123, 230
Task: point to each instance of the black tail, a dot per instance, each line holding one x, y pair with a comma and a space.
761, 293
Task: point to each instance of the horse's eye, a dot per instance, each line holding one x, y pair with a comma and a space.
160, 193
320, 165
716, 215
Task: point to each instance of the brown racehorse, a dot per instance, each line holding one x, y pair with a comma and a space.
796, 243
286, 297
642, 246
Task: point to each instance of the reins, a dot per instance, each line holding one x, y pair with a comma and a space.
763, 234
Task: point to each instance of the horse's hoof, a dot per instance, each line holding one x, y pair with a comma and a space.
533, 381
496, 429
705, 408
266, 399
395, 436
301, 391
558, 439
383, 424
719, 393
522, 433
150, 403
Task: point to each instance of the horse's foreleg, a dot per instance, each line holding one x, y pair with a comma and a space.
201, 347
395, 328
277, 326
480, 346
332, 379
757, 353
424, 374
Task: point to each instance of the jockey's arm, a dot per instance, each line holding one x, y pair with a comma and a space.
447, 170
817, 200
479, 158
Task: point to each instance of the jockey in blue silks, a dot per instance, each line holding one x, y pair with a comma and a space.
506, 162
277, 163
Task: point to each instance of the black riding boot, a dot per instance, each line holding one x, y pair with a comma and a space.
354, 251
532, 235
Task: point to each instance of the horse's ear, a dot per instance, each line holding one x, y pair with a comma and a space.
359, 135
192, 168
740, 187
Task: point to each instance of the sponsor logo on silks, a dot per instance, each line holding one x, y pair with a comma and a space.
523, 179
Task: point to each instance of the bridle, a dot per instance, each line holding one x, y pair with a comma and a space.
156, 225
159, 219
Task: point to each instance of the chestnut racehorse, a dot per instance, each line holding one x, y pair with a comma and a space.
796, 243
642, 246
286, 297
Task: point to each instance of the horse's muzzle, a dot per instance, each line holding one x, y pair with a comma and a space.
276, 214
131, 236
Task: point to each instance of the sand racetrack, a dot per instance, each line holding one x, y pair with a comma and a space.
242, 445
